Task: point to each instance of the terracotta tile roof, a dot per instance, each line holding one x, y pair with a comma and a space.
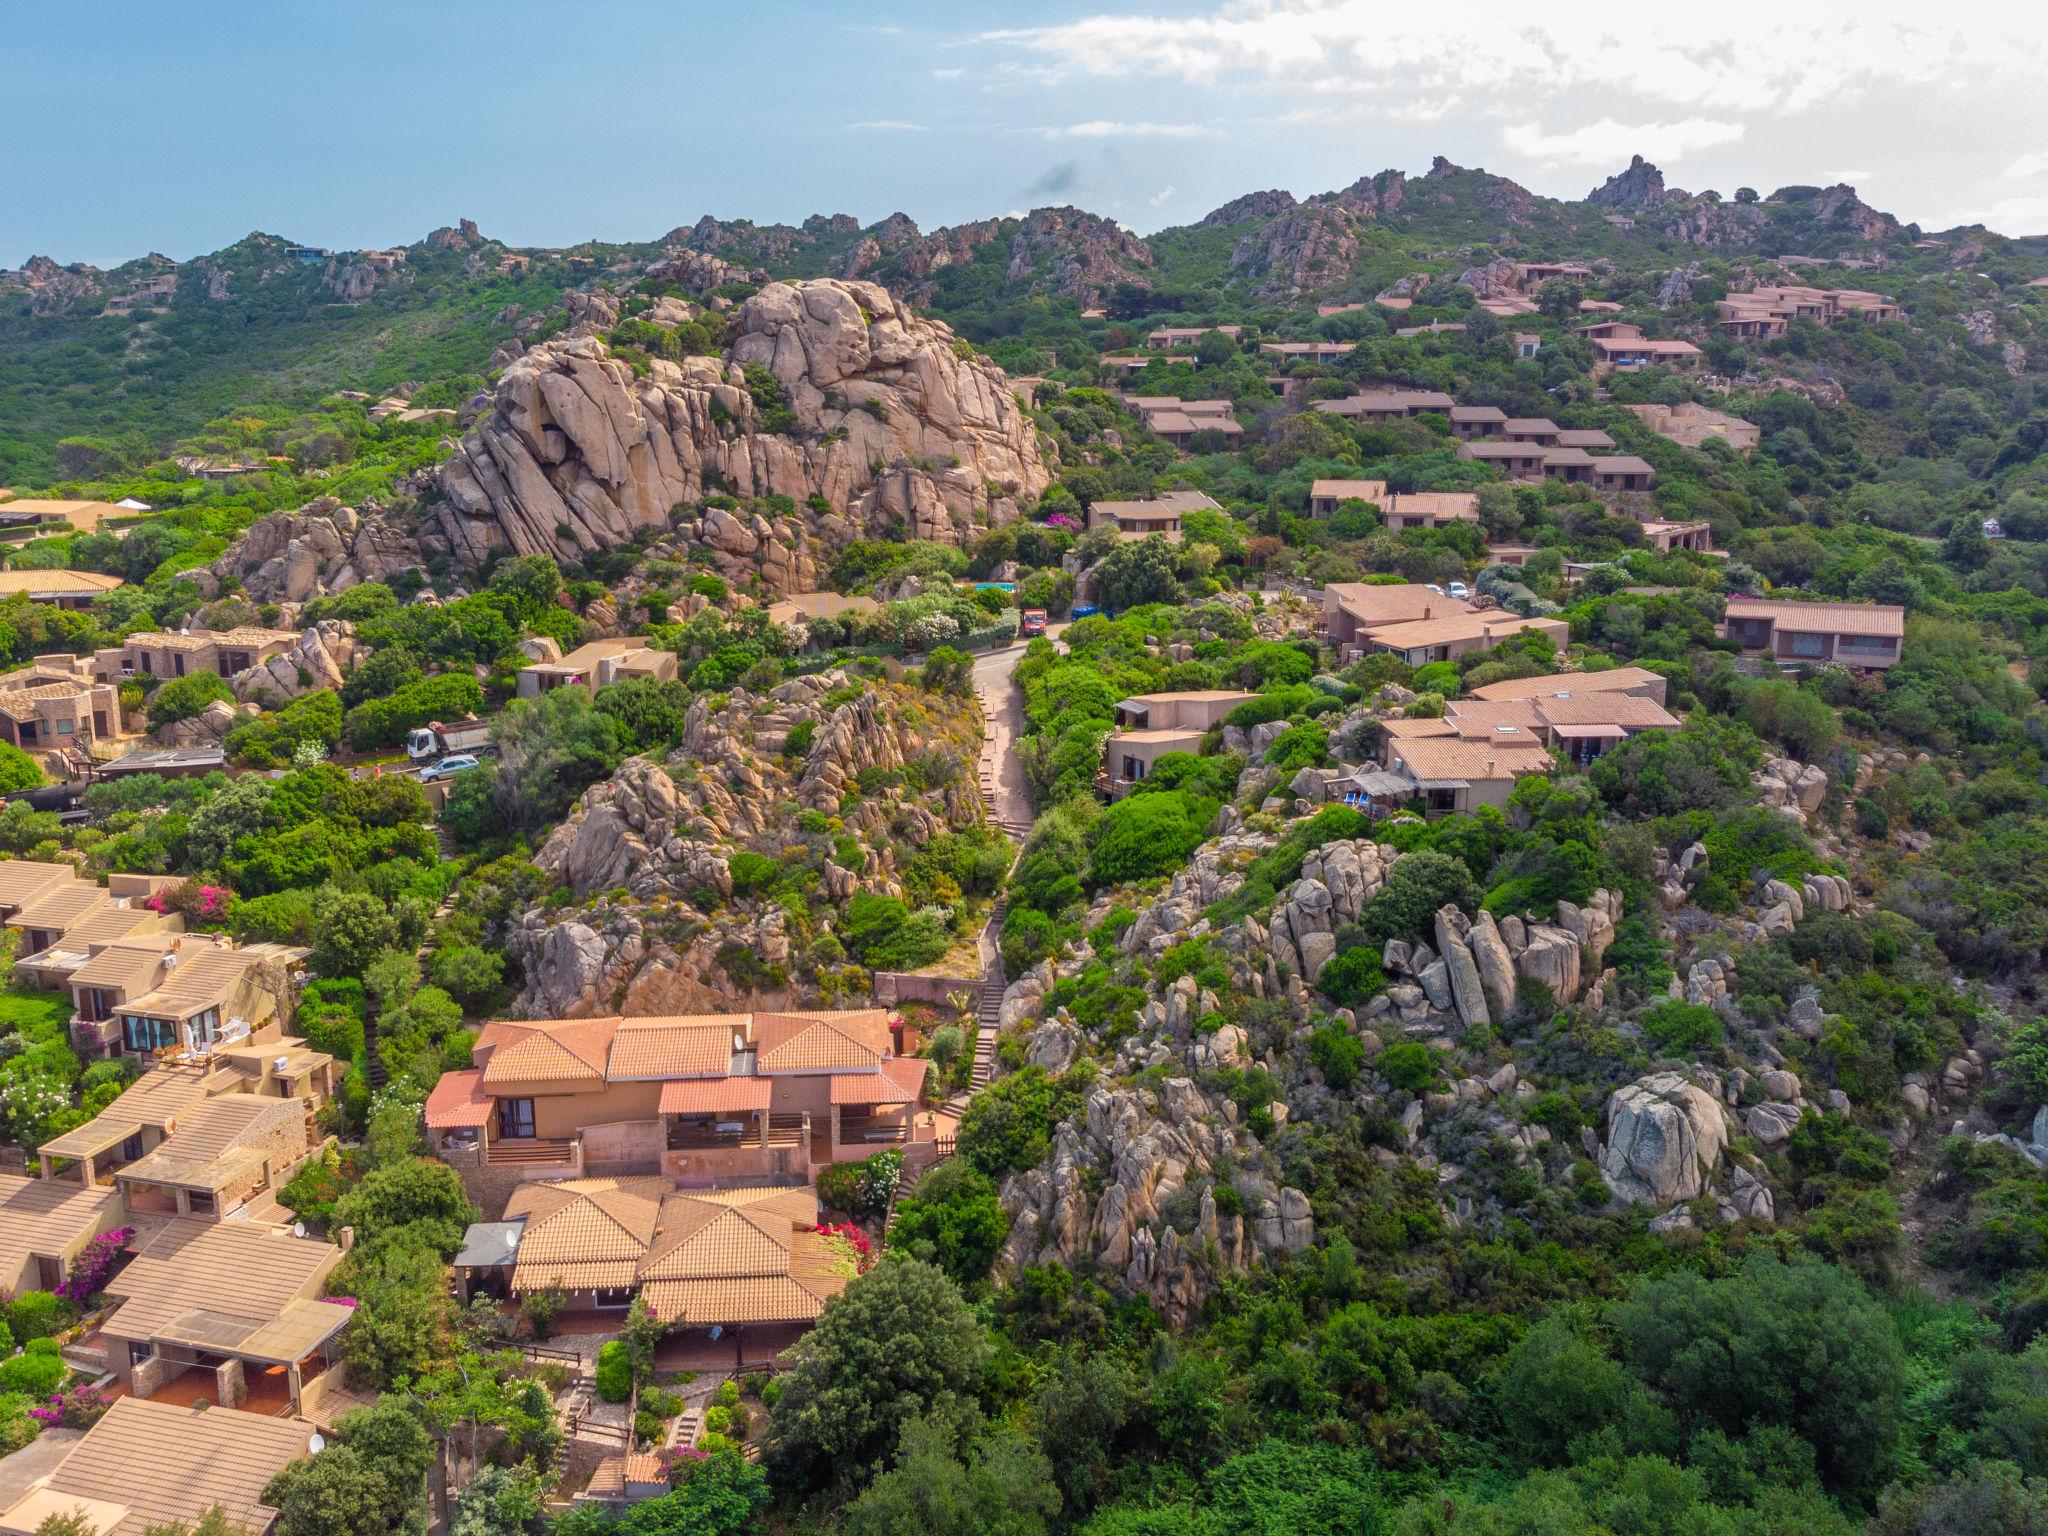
68, 583
683, 1046
1881, 619
556, 1051
1531, 425
715, 1095
47, 1217
215, 1142
584, 1233
797, 1043
1346, 490
1490, 628
1626, 709
1374, 603
458, 1101
22, 880
1454, 506
1437, 758
1622, 464
232, 1269
900, 1081
1401, 726
1478, 413
161, 1464
127, 965
61, 905
1583, 437
1613, 680
748, 1299
702, 1241
157, 1098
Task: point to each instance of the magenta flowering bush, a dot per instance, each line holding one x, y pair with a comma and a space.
95, 1262
75, 1408
1061, 520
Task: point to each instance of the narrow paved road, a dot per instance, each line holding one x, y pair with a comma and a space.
1003, 783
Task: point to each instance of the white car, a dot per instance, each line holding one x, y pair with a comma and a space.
1459, 589
448, 767
1433, 587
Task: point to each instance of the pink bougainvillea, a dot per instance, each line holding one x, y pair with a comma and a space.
855, 1238
77, 1408
95, 1262
1060, 520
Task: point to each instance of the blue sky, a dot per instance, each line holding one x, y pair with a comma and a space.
182, 127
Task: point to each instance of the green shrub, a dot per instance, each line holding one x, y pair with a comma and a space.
614, 1371
1409, 1065
37, 1315
35, 1375
752, 872
1299, 746
1682, 1028
1353, 978
1338, 1055
383, 722
1146, 835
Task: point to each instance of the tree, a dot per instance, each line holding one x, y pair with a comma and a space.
183, 697
1798, 1344
721, 1494
1555, 1387
650, 711
336, 1493
1415, 889
896, 1344
1001, 1486
351, 928
498, 1501
1213, 349
1145, 835
394, 1444
549, 750
952, 1218
17, 769
1141, 571
405, 1318
417, 1192
1084, 1403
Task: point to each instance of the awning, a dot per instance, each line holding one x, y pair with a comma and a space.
1443, 784
1589, 732
1377, 782
458, 1102
714, 1095
491, 1244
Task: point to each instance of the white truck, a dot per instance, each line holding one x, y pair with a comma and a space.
437, 740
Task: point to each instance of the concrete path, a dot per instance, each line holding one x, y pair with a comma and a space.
1003, 782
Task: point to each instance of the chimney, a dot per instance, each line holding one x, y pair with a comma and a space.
1489, 767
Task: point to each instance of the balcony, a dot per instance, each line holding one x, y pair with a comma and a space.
531, 1151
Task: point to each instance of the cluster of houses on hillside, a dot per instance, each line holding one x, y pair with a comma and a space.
1763, 313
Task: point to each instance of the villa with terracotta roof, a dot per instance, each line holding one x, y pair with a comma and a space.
1644, 352
157, 653
55, 703
1177, 420
699, 1097
43, 1225
1325, 496
1767, 312
1159, 514
1387, 404
1866, 635
1639, 681
59, 588
1171, 338
1476, 421
235, 1304
1533, 274
593, 665
1418, 624
169, 994
1150, 725
1309, 351
155, 1465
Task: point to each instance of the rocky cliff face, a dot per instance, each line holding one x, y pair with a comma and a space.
1076, 255
1640, 186
648, 853
1253, 205
313, 551
889, 421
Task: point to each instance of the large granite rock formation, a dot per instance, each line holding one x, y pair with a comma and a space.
314, 550
884, 416
1665, 1135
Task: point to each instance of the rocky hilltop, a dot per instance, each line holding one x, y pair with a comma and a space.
830, 389
649, 853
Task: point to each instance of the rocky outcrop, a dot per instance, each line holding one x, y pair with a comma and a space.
318, 549
1156, 1226
1253, 205
700, 271
1665, 1135
1312, 246
1792, 788
882, 416
325, 655
1077, 255
648, 852
1640, 186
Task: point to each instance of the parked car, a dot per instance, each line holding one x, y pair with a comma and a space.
1459, 589
1034, 623
448, 767
1085, 610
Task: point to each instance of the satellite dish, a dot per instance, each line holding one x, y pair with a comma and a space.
298, 1229
315, 1443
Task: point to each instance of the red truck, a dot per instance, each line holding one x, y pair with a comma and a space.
1034, 623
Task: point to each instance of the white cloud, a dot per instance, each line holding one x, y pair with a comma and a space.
948, 74
1848, 176
1104, 129
885, 125
1744, 56
1163, 195
2035, 164
1608, 142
